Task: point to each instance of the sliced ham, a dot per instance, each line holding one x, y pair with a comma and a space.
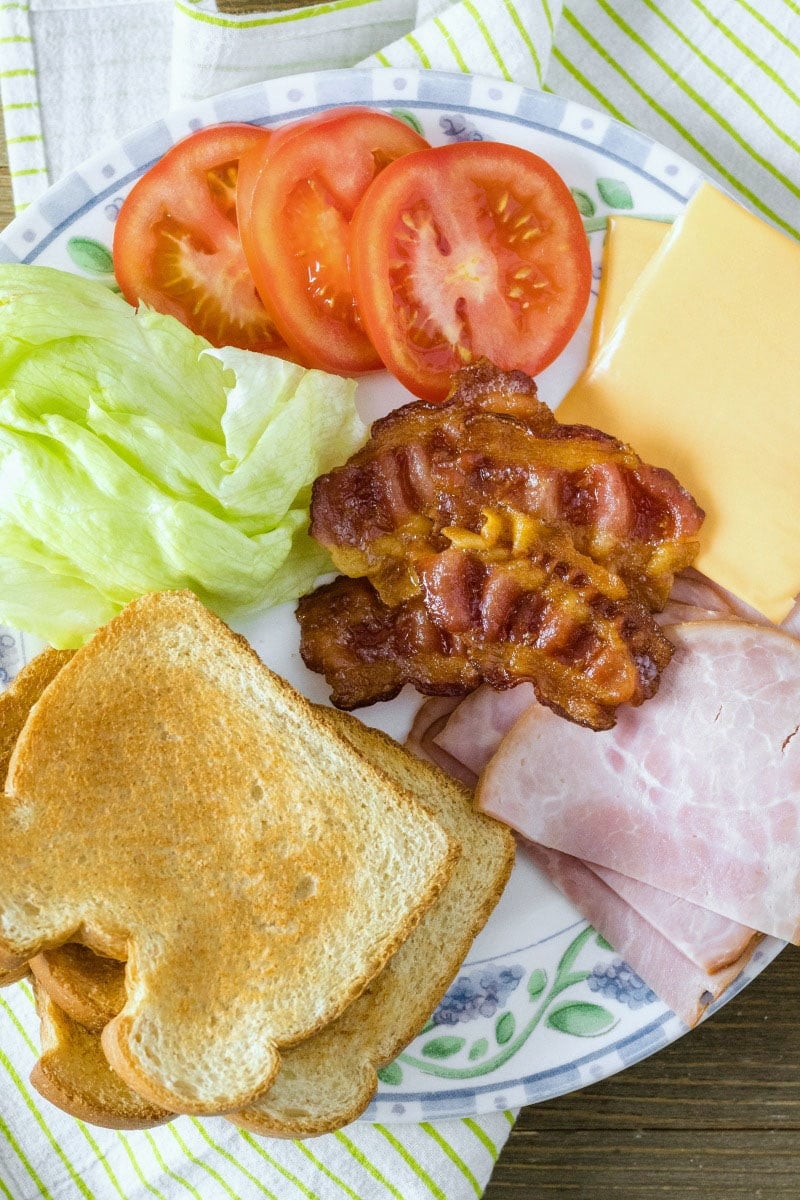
421, 740
708, 940
791, 624
685, 987
475, 729
697, 792
473, 732
690, 587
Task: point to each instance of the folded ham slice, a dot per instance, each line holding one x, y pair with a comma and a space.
685, 987
429, 721
697, 793
708, 940
472, 732
475, 729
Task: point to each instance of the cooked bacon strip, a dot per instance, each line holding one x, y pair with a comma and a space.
499, 546
697, 794
471, 471
368, 650
683, 986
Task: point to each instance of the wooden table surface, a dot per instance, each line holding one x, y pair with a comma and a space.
715, 1116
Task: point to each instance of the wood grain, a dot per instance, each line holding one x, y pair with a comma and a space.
716, 1116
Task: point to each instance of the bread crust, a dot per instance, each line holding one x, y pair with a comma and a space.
89, 988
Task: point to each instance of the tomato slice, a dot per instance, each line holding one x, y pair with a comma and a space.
177, 246
296, 231
474, 250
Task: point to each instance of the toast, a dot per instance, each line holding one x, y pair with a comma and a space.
73, 1074
87, 987
328, 1080
76, 978
21, 695
172, 802
15, 704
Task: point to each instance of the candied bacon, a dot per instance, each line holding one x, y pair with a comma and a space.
486, 542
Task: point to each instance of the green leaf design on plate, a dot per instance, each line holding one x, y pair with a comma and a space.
403, 114
537, 983
392, 1073
90, 255
504, 1029
585, 203
443, 1047
478, 1049
580, 1018
615, 193
602, 943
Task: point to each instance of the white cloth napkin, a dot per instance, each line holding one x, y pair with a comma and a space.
718, 81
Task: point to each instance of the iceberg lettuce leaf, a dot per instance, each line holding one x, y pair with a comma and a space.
135, 458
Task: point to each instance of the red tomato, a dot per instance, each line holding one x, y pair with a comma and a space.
177, 246
474, 250
302, 194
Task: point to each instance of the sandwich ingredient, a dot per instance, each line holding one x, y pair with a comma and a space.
629, 245
73, 1073
134, 458
687, 988
697, 794
177, 246
251, 841
300, 192
712, 392
488, 542
88, 987
327, 1080
685, 952
468, 251
709, 940
473, 733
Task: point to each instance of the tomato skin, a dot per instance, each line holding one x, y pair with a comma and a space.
466, 251
177, 247
303, 189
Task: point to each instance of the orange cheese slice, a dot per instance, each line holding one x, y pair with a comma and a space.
630, 244
701, 374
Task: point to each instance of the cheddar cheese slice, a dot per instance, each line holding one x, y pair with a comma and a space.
701, 374
630, 244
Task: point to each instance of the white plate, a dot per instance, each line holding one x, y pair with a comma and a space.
508, 1033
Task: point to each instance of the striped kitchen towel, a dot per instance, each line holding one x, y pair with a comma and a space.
45, 1155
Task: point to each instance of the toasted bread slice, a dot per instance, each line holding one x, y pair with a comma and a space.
87, 987
73, 1074
173, 801
328, 1080
15, 704
20, 696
